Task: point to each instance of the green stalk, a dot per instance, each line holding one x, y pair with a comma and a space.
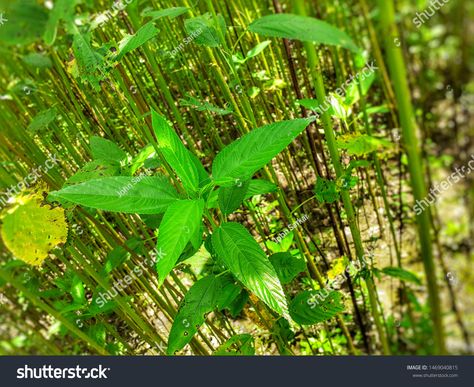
396, 65
336, 162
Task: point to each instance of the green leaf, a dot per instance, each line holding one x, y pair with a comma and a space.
199, 300
98, 332
88, 61
175, 153
316, 306
338, 109
230, 198
115, 259
103, 149
236, 307
132, 42
205, 30
243, 256
259, 187
286, 266
77, 291
147, 195
326, 190
257, 49
168, 12
238, 345
352, 91
95, 169
63, 10
304, 28
139, 160
310, 104
40, 61
26, 21
347, 180
201, 106
229, 291
180, 222
402, 274
245, 156
362, 144
204, 177
42, 120
377, 109
152, 163
282, 245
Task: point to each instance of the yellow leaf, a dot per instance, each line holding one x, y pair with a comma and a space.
30, 230
337, 267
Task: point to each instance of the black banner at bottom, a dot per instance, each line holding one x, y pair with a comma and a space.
382, 371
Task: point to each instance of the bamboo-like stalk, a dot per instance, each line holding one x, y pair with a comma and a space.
336, 162
396, 65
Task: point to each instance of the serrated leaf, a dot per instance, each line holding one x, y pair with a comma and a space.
175, 153
316, 306
88, 62
245, 156
287, 266
147, 195
246, 260
103, 149
132, 42
180, 222
304, 28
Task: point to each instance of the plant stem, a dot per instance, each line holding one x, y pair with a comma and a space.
396, 65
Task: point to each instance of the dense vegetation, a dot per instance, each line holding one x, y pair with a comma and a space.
236, 177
